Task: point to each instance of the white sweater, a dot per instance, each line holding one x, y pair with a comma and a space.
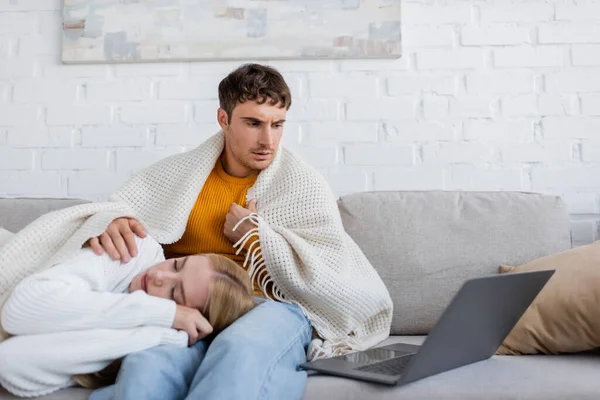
77, 317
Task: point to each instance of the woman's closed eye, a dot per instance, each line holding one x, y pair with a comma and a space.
174, 270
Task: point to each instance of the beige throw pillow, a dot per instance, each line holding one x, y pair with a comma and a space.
565, 316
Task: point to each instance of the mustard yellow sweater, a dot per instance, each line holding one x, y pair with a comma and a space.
204, 230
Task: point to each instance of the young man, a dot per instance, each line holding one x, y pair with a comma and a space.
256, 203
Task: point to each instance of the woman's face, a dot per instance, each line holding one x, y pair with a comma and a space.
185, 280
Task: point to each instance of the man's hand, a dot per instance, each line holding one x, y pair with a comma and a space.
235, 215
119, 239
193, 322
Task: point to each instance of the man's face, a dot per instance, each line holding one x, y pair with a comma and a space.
252, 136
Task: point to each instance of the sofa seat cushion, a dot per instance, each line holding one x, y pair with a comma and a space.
65, 394
501, 377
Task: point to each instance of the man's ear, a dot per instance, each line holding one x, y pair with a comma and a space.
223, 119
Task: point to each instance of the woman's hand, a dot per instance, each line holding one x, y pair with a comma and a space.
193, 322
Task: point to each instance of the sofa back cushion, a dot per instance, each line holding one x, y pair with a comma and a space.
425, 245
16, 213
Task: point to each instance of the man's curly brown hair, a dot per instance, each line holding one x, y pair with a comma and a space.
253, 82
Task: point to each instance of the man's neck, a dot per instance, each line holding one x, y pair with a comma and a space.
234, 169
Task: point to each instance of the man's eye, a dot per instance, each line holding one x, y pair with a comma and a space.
175, 265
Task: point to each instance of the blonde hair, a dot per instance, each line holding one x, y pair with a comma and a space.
230, 293
229, 297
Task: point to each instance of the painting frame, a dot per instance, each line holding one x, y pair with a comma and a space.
138, 31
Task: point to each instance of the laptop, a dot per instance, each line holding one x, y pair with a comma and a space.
471, 329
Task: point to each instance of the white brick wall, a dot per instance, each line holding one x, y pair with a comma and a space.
74, 159
586, 55
489, 95
123, 91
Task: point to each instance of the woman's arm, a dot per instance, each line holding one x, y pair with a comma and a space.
44, 306
78, 294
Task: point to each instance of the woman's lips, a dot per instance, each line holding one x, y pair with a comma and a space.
145, 282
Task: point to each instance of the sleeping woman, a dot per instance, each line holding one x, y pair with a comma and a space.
74, 321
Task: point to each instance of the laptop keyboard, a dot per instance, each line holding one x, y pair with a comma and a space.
392, 367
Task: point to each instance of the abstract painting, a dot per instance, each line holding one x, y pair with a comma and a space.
105, 31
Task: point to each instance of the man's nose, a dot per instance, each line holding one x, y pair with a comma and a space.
266, 137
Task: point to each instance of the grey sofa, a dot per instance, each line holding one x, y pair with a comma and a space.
424, 245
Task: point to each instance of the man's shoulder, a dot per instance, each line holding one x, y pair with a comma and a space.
298, 175
297, 166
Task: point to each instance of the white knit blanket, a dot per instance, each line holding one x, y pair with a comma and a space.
4, 235
304, 250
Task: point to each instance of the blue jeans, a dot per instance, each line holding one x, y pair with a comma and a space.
257, 357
